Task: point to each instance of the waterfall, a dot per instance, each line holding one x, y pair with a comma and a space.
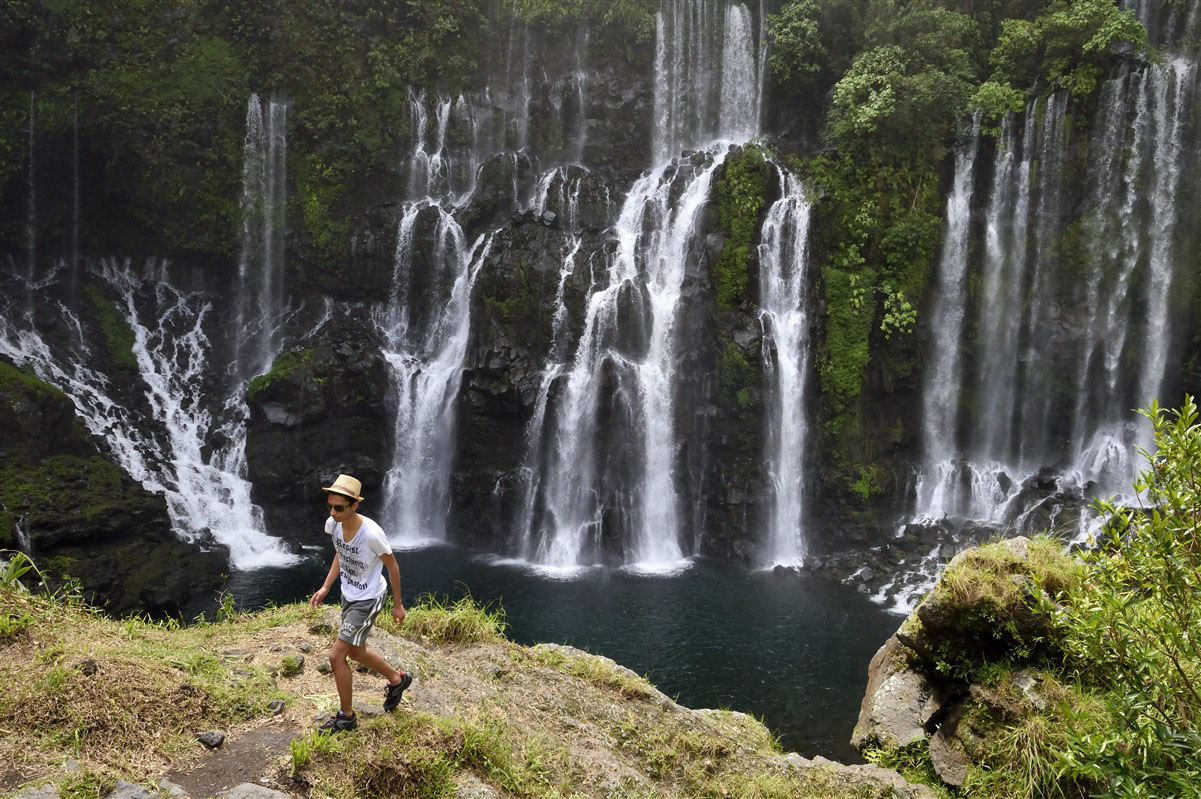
206, 494
739, 112
425, 354
624, 365
1074, 316
31, 216
24, 539
707, 76
1167, 89
784, 285
942, 382
74, 251
260, 288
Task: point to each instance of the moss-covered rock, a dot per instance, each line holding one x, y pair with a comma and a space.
968, 680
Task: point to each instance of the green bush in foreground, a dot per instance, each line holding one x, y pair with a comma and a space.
1133, 627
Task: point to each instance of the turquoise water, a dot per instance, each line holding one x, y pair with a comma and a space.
791, 650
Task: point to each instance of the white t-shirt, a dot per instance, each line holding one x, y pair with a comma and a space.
359, 561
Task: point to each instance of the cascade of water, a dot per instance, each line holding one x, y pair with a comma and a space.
519, 87
426, 361
783, 276
943, 377
1119, 305
761, 93
1038, 369
74, 253
739, 110
1000, 301
1168, 88
205, 495
24, 539
557, 551
640, 292
260, 290
706, 76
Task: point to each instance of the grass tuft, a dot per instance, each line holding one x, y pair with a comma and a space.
441, 621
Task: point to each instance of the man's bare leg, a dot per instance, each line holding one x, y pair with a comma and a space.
372, 660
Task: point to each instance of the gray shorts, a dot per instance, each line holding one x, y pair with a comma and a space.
357, 618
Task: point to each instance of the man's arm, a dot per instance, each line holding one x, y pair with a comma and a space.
334, 570
398, 608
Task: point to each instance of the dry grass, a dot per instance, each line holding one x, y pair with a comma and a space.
122, 697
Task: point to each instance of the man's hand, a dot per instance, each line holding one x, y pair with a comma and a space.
319, 597
398, 612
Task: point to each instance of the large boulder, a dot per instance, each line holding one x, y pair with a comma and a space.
320, 411
926, 690
900, 702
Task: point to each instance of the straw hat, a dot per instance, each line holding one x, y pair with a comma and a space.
347, 486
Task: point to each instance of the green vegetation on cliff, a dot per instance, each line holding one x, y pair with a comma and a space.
114, 329
741, 194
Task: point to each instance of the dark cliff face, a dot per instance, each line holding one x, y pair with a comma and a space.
84, 518
320, 411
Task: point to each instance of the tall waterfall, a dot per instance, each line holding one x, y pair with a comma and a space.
624, 368
784, 289
425, 323
426, 359
260, 289
601, 459
707, 76
1072, 325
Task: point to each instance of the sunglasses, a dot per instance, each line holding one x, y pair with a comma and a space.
336, 508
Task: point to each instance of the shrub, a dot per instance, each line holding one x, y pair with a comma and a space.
1133, 628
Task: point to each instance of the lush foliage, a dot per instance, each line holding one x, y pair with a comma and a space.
1067, 46
797, 52
741, 194
1134, 626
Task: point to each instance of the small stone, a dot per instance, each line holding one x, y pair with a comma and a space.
250, 790
324, 668
87, 667
367, 710
948, 759
212, 739
275, 707
171, 789
37, 792
306, 648
473, 788
275, 648
72, 766
291, 665
127, 790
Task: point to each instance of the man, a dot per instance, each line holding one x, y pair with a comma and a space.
361, 551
